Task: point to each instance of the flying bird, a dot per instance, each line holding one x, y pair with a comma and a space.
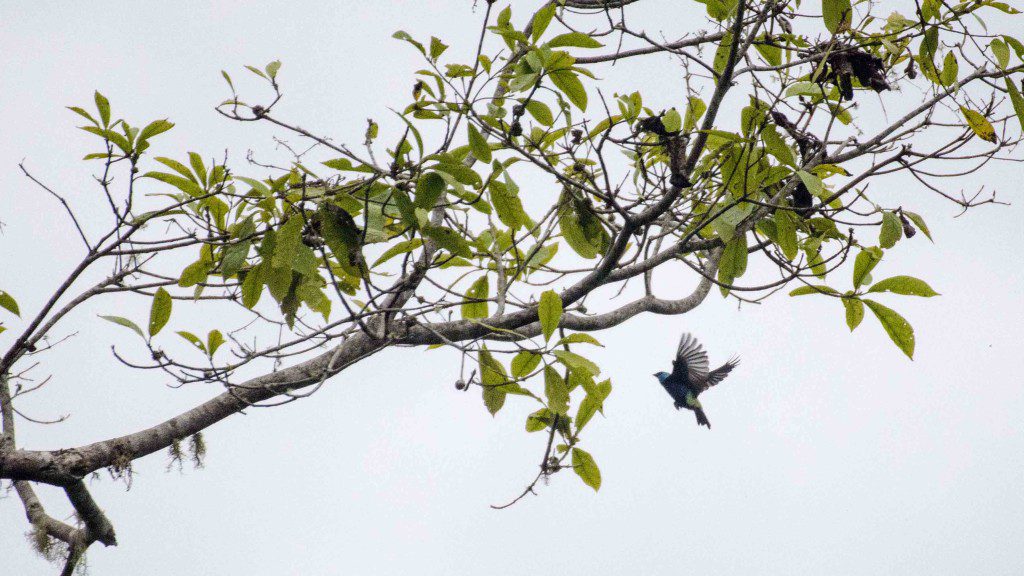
690, 376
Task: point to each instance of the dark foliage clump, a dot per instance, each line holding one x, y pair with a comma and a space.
844, 62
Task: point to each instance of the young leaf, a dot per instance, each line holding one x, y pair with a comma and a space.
905, 285
549, 312
103, 105
585, 467
7, 301
865, 262
896, 326
160, 311
213, 341
123, 321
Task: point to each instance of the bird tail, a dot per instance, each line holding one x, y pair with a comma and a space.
702, 418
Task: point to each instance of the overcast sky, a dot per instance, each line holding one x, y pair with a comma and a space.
831, 453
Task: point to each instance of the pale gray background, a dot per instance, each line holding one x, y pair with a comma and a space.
831, 453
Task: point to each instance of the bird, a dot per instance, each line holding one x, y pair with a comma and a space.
690, 376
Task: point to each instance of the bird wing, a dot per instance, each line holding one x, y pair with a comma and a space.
717, 375
691, 363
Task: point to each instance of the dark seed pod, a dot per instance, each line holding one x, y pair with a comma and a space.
516, 129
518, 110
460, 385
908, 229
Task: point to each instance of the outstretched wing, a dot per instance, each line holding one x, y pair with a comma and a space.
691, 363
717, 375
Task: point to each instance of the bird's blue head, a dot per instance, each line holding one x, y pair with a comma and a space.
661, 376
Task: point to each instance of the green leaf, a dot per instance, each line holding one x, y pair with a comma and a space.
777, 146
695, 109
437, 47
592, 403
672, 121
905, 285
979, 125
123, 321
475, 304
193, 339
575, 40
896, 326
540, 112
570, 85
524, 362
556, 391
812, 182
7, 301
234, 258
450, 240
478, 145
402, 35
785, 230
252, 286
160, 311
542, 19
1001, 52
950, 70
213, 341
539, 420
866, 260
722, 53
429, 188
579, 338
153, 128
549, 312
194, 273
492, 378
198, 167
1018, 105
186, 185
103, 105
734, 257
891, 230
804, 290
576, 363
400, 248
272, 70
585, 467
838, 14
854, 312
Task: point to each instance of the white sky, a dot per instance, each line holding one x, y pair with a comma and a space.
831, 453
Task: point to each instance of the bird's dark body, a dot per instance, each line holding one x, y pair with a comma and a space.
690, 376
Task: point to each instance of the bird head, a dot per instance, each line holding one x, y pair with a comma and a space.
661, 376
